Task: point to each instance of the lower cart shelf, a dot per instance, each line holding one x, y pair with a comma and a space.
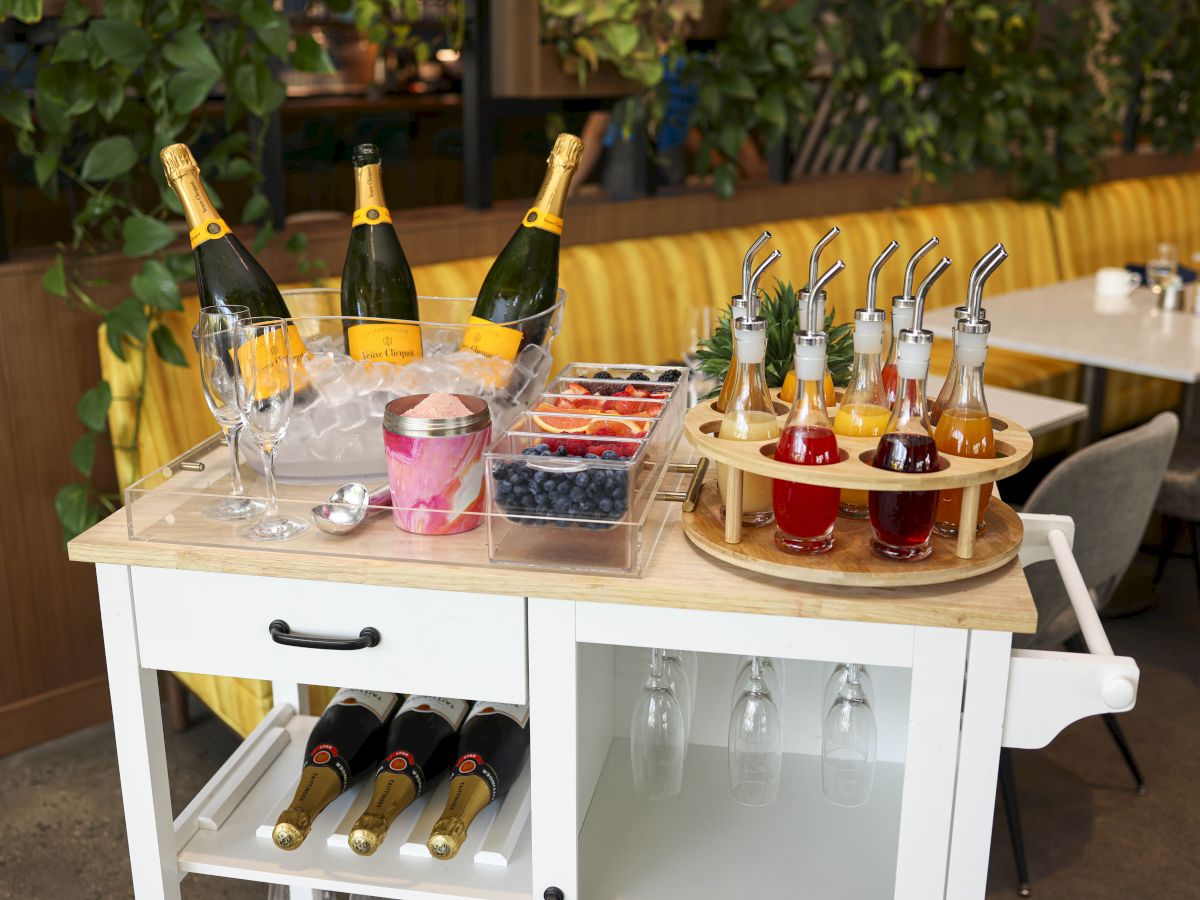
240, 847
703, 845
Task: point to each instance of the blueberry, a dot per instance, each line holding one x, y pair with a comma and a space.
572, 510
503, 487
561, 451
563, 487
529, 451
637, 376
591, 456
576, 494
581, 479
670, 376
609, 454
539, 476
605, 504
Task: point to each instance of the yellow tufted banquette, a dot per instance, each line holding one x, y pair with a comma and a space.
635, 300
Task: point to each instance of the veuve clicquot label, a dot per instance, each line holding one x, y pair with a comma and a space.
521, 288
210, 230
377, 283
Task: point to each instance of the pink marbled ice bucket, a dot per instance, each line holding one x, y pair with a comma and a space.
435, 466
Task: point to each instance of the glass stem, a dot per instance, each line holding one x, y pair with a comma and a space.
756, 667
852, 673
268, 455
656, 663
232, 434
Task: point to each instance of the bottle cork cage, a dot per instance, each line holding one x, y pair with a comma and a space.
851, 561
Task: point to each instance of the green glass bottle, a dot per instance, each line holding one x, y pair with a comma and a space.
523, 281
376, 279
226, 273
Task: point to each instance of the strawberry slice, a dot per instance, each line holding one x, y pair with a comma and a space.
634, 391
574, 388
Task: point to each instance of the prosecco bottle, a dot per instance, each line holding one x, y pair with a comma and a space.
523, 281
376, 280
490, 751
226, 273
421, 745
346, 741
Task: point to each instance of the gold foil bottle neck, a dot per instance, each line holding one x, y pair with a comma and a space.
367, 834
567, 150
178, 161
447, 837
291, 829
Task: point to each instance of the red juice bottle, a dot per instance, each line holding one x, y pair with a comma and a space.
902, 318
805, 513
902, 521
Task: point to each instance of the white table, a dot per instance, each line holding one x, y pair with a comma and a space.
1036, 413
1068, 321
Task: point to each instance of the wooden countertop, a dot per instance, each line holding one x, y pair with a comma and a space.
679, 575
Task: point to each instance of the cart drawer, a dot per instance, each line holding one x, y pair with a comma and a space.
429, 642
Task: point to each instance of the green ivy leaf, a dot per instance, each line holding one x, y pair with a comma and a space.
92, 408
257, 88
27, 11
622, 37
262, 237
83, 453
72, 48
257, 207
121, 41
75, 513
14, 107
51, 113
238, 169
45, 166
54, 281
155, 286
111, 99
74, 13
181, 266
128, 319
108, 159
297, 243
171, 200
268, 26
737, 85
309, 56
188, 50
144, 235
723, 178
81, 96
167, 348
188, 88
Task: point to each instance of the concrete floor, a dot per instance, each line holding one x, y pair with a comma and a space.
1088, 836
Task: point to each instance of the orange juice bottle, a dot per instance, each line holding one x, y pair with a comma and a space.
864, 411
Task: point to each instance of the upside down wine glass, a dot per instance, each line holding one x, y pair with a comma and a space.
755, 743
218, 337
656, 737
265, 393
848, 740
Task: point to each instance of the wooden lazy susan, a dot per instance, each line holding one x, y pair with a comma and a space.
852, 561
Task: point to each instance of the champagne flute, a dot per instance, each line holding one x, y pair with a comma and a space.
656, 737
679, 682
217, 337
755, 743
837, 681
772, 676
265, 393
848, 745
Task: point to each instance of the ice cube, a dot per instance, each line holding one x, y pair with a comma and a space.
349, 449
326, 447
321, 417
333, 382
350, 414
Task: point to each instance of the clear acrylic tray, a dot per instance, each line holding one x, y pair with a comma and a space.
168, 506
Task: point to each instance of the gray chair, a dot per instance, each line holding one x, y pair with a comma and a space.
1109, 489
1179, 503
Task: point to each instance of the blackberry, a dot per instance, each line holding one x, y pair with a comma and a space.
670, 376
637, 376
603, 375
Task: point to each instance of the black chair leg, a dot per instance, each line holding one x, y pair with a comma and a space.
1166, 549
1012, 813
1193, 531
1118, 735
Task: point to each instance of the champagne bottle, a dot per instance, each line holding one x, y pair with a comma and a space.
523, 281
376, 279
346, 741
421, 745
490, 751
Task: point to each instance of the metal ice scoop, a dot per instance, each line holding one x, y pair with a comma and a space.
348, 507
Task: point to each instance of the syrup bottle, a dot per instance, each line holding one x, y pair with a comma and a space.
788, 392
805, 512
750, 413
965, 426
902, 521
902, 317
961, 314
864, 411
737, 310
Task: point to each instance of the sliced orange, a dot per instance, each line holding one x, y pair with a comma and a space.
559, 423
614, 428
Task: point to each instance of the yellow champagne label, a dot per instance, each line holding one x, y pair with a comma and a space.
539, 218
385, 342
208, 231
371, 215
489, 339
269, 359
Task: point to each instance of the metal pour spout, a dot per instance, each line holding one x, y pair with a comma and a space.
876, 268
910, 270
752, 289
979, 275
923, 291
815, 326
815, 258
748, 261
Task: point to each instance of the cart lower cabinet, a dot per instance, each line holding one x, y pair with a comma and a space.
947, 692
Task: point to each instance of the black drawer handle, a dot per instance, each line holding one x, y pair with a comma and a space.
281, 634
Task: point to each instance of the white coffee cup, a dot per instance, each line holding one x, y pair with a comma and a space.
1114, 282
